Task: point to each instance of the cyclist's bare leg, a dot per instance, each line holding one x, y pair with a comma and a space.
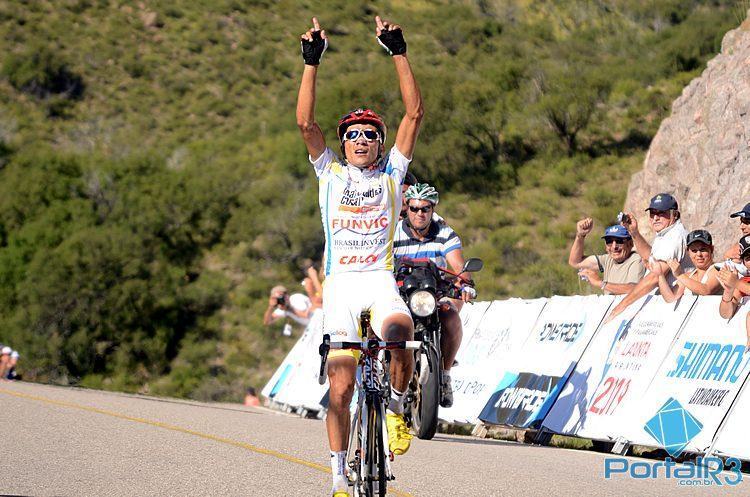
451, 336
400, 327
341, 376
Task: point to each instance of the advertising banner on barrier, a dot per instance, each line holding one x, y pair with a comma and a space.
698, 381
283, 372
484, 354
617, 368
531, 382
301, 388
734, 437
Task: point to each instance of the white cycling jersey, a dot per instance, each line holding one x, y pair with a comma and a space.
359, 209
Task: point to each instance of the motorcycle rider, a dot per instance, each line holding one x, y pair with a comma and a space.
420, 236
360, 200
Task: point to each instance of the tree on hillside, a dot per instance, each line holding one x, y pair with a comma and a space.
568, 97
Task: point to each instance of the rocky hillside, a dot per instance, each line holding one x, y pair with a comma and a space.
701, 152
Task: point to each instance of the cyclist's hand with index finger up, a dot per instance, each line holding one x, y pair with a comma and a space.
314, 44
390, 36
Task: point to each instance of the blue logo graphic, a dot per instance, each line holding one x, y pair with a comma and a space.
673, 427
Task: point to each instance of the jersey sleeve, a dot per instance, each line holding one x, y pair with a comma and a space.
323, 163
452, 243
396, 165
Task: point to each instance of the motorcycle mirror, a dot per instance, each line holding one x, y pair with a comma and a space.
473, 265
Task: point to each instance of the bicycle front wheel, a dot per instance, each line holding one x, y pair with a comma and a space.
376, 477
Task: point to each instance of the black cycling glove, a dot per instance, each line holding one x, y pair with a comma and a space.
312, 51
393, 42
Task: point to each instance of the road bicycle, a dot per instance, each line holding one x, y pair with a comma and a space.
369, 459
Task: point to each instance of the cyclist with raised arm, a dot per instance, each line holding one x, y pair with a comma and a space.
420, 236
360, 201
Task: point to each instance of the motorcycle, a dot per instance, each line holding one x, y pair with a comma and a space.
422, 285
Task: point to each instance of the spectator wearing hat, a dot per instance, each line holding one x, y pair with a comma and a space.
736, 281
669, 243
736, 286
702, 280
620, 267
10, 373
4, 361
744, 215
281, 305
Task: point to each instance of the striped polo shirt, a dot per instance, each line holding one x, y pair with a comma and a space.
440, 241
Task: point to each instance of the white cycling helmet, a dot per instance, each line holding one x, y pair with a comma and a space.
422, 191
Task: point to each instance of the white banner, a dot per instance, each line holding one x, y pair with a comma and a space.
536, 373
301, 388
282, 374
484, 354
617, 368
696, 384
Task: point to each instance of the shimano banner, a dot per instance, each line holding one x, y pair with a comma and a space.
484, 354
703, 372
617, 368
535, 374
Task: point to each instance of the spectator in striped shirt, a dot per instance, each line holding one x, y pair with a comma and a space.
419, 236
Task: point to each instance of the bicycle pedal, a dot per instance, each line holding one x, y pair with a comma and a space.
391, 456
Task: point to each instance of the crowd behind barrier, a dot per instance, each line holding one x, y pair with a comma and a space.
668, 375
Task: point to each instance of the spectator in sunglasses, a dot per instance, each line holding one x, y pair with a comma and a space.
419, 236
744, 215
702, 280
669, 243
615, 272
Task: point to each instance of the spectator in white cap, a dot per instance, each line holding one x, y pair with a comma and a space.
702, 280
618, 270
4, 361
12, 363
669, 243
734, 251
282, 305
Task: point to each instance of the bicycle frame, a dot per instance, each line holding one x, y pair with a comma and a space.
369, 458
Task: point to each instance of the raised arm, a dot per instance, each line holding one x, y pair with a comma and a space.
314, 43
640, 244
576, 258
391, 38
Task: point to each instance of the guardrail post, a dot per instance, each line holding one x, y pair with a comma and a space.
480, 430
543, 437
621, 446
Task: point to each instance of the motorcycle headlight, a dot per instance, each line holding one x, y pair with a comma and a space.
422, 303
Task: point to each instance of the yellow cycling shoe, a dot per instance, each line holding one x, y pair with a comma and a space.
399, 438
340, 493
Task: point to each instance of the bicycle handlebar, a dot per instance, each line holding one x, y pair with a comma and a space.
369, 346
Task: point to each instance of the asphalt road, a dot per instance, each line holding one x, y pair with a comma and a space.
72, 442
